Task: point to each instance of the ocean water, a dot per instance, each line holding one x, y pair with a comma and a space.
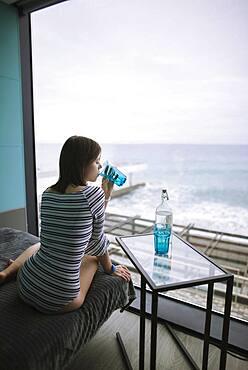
207, 184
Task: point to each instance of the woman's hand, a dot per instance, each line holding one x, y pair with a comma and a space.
123, 272
107, 187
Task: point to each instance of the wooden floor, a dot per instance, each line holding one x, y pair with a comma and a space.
102, 352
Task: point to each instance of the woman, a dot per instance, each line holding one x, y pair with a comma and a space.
54, 275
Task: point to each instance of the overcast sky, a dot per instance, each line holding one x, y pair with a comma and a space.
142, 71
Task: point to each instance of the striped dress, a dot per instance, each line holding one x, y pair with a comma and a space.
71, 226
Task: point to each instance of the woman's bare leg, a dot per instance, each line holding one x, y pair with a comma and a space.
14, 266
87, 271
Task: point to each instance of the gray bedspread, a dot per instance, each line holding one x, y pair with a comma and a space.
30, 340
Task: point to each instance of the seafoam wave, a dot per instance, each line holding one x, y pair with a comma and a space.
217, 216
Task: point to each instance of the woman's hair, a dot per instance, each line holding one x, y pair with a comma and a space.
76, 155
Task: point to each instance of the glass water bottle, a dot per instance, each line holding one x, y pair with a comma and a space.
163, 226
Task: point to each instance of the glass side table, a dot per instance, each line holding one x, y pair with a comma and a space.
183, 267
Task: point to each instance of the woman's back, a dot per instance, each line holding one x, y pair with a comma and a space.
66, 225
51, 276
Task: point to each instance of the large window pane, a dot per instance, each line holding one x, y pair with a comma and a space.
162, 86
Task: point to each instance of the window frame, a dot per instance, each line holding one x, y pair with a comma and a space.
238, 328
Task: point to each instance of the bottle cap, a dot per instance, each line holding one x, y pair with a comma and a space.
164, 193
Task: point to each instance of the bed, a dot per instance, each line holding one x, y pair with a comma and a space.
34, 341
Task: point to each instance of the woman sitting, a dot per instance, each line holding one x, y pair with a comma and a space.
54, 275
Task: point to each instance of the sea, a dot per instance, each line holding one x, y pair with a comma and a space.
207, 184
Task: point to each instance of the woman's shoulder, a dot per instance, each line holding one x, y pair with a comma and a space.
69, 191
50, 190
95, 198
92, 190
89, 191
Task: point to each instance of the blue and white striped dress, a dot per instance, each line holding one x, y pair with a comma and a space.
71, 226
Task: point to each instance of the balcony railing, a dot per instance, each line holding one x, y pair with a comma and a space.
226, 249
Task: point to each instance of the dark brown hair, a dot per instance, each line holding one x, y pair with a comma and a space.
77, 153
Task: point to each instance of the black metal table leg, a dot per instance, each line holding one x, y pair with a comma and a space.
182, 348
207, 326
142, 324
123, 352
154, 322
226, 322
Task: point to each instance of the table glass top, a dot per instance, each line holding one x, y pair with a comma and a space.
183, 263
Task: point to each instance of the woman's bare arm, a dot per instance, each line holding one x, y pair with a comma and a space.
105, 262
107, 187
120, 270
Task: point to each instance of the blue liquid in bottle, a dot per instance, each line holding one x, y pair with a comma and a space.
162, 235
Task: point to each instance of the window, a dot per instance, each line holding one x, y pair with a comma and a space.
162, 86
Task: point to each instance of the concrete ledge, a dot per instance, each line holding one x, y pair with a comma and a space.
15, 218
126, 190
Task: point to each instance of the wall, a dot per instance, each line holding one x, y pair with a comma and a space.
12, 174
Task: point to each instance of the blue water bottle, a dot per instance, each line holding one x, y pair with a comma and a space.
163, 226
113, 174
